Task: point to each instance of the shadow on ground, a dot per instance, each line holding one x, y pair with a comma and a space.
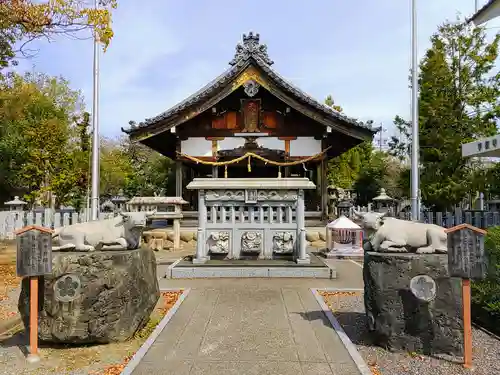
19, 339
354, 324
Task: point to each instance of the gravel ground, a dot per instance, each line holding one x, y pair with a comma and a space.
348, 308
107, 359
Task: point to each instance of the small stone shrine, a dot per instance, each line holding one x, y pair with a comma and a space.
345, 238
242, 218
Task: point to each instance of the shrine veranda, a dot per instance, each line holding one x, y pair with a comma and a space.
252, 126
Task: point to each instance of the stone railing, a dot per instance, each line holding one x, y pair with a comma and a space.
241, 217
167, 208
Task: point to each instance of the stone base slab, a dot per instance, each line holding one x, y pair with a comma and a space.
355, 255
251, 272
200, 260
303, 261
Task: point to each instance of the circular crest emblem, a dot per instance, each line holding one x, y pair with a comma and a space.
423, 287
67, 288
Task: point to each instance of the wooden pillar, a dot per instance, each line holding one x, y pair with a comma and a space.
287, 141
287, 155
215, 148
178, 178
215, 169
178, 171
324, 189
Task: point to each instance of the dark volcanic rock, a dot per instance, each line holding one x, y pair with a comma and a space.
400, 321
95, 297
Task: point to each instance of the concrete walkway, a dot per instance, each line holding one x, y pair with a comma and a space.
251, 326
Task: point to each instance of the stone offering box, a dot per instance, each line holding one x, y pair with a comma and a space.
241, 218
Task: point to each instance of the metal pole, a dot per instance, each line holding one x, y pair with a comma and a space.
95, 132
415, 211
476, 6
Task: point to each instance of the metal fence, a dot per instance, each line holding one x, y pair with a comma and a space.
480, 219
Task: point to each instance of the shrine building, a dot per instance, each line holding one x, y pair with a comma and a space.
251, 122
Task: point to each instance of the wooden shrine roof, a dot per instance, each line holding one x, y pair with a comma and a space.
251, 61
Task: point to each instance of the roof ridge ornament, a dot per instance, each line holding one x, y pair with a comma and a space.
251, 47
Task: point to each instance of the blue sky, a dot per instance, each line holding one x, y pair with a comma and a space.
358, 51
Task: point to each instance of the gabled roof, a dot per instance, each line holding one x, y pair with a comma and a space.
249, 53
481, 16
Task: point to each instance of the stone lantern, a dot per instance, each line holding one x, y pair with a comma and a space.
345, 238
16, 204
119, 201
383, 202
344, 208
108, 206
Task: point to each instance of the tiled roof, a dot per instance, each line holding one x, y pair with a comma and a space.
482, 10
250, 52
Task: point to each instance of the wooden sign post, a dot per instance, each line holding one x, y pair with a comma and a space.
467, 260
34, 259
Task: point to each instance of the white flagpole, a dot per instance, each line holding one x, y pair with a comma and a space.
415, 206
95, 132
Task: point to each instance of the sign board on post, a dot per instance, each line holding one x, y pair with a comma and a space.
466, 256
34, 251
467, 260
34, 258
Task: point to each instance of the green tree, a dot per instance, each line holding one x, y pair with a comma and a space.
380, 171
132, 169
344, 169
399, 146
151, 170
486, 293
36, 117
458, 102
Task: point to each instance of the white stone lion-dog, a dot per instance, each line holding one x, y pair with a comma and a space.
124, 230
395, 235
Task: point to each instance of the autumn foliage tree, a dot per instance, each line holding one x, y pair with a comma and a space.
22, 21
45, 147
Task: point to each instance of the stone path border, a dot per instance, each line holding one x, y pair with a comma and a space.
134, 362
356, 263
168, 274
351, 348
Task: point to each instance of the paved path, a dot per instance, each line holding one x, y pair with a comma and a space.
251, 326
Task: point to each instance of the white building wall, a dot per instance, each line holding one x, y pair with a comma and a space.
302, 146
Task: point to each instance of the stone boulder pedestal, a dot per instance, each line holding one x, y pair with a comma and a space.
429, 321
94, 297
